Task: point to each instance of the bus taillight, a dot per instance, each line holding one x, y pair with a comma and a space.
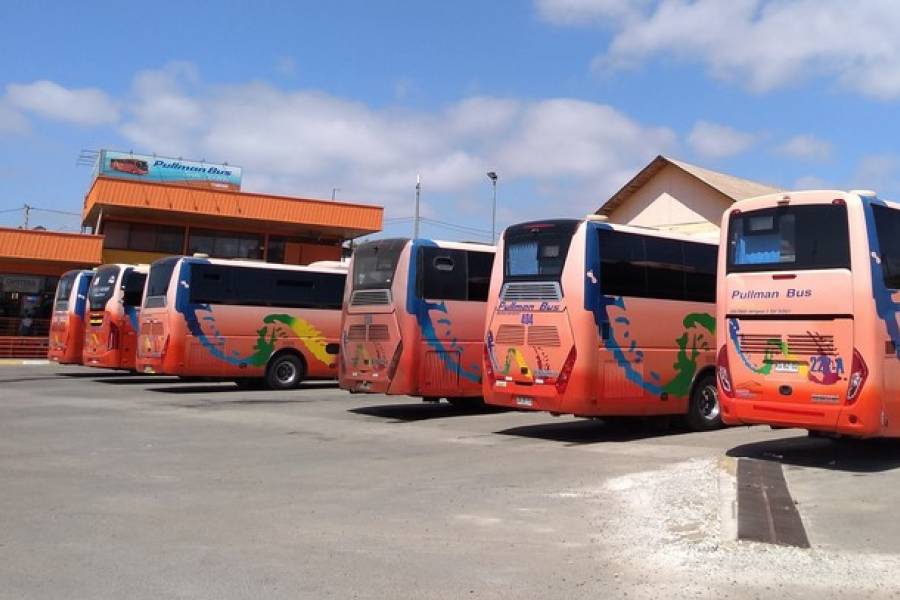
395, 360
565, 374
488, 365
112, 340
858, 375
724, 372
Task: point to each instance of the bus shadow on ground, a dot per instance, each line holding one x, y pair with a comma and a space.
92, 374
594, 431
230, 387
855, 456
421, 411
134, 380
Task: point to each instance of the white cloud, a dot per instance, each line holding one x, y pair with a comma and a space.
760, 44
812, 182
85, 106
879, 172
575, 12
806, 147
11, 120
712, 140
305, 142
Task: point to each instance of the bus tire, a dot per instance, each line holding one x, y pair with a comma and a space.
285, 371
704, 410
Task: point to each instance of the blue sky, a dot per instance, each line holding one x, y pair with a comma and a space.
565, 99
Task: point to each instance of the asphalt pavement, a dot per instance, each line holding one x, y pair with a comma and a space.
118, 486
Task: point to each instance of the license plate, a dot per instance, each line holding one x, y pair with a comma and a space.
524, 401
785, 367
149, 370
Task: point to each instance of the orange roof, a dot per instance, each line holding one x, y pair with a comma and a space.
55, 246
211, 208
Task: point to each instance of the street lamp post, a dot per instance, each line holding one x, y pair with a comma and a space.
492, 175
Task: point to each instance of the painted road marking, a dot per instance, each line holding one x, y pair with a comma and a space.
766, 511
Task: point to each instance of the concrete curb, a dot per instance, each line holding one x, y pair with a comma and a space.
13, 362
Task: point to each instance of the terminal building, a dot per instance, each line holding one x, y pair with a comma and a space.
677, 196
140, 208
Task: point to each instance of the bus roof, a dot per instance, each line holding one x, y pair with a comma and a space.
261, 265
637, 229
476, 246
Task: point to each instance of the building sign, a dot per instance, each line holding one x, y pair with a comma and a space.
24, 284
126, 165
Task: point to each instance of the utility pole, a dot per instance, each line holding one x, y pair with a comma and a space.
418, 194
27, 215
492, 175
333, 190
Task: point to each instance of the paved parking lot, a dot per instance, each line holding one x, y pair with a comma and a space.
119, 486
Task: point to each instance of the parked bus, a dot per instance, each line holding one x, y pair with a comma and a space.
114, 302
247, 321
808, 306
601, 320
67, 322
413, 320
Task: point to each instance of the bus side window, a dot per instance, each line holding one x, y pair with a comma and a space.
133, 288
887, 227
444, 274
622, 264
479, 279
700, 261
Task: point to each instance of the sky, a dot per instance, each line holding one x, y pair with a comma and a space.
565, 99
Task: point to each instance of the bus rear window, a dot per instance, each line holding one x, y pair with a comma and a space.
789, 238
374, 264
63, 289
158, 282
537, 250
102, 287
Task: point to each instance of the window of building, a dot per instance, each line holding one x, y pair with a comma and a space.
225, 244
144, 237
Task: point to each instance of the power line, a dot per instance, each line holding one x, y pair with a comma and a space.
455, 226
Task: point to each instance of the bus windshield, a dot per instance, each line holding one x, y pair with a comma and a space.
103, 286
158, 282
789, 238
537, 250
63, 289
374, 264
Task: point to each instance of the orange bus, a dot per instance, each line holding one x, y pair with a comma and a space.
114, 302
67, 322
601, 320
247, 321
807, 312
413, 319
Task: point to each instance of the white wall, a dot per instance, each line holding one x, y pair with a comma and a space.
673, 200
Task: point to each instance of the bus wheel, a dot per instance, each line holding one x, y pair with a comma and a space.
704, 412
285, 372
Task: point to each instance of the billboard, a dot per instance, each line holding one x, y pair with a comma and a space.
160, 169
